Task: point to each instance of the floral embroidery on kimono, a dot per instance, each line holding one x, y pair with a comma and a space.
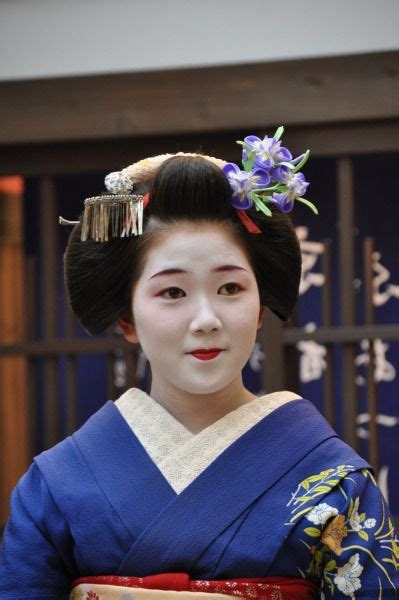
353, 550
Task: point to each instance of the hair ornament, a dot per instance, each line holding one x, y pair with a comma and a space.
270, 176
117, 183
144, 170
112, 216
247, 222
120, 213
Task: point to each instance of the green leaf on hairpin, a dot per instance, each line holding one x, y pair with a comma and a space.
308, 203
260, 205
299, 166
248, 164
286, 164
279, 133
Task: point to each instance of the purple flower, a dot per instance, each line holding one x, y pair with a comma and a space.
268, 151
284, 201
279, 174
243, 183
296, 187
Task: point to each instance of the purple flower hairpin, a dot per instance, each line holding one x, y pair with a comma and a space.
270, 175
245, 184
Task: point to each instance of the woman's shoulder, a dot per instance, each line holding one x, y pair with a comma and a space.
99, 419
301, 421
64, 463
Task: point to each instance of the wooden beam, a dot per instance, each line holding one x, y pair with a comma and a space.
59, 346
290, 337
341, 334
14, 415
346, 258
48, 259
271, 340
327, 319
371, 383
105, 155
296, 92
345, 139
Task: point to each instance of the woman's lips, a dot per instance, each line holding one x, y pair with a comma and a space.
206, 354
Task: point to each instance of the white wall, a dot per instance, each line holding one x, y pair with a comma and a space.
46, 38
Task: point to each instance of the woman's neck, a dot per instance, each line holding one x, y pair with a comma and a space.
198, 411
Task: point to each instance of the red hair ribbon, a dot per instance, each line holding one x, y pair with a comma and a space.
146, 199
249, 224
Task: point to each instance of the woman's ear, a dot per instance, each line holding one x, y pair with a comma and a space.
260, 320
127, 327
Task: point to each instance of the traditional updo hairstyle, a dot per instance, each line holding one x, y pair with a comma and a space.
99, 276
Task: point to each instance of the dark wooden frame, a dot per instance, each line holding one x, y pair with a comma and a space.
363, 87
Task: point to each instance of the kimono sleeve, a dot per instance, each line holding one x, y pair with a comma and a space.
356, 555
36, 554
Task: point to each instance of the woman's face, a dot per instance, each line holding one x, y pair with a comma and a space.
197, 290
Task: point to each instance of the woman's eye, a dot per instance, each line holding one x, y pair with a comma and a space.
231, 288
172, 293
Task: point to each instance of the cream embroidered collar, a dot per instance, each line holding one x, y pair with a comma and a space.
179, 454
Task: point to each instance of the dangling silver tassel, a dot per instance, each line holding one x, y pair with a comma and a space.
133, 219
110, 216
140, 211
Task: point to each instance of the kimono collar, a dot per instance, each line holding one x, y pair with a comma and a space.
177, 452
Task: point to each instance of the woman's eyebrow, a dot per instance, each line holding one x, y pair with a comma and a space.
174, 271
168, 272
228, 268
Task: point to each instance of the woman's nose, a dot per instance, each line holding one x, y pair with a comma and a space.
205, 318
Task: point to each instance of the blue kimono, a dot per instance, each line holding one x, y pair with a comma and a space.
287, 498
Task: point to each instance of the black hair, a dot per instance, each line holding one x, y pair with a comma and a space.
99, 276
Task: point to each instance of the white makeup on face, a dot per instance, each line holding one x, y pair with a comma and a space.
197, 291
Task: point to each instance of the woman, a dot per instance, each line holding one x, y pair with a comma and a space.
199, 489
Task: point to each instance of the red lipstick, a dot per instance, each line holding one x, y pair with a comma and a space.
206, 354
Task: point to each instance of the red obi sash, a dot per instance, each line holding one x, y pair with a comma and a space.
267, 588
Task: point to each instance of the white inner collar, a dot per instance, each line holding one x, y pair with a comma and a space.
179, 454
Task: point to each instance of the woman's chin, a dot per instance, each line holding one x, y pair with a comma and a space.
205, 387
